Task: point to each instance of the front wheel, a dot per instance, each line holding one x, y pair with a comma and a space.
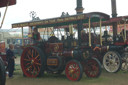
92, 68
74, 70
32, 62
112, 61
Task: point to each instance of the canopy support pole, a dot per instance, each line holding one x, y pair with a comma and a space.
100, 32
80, 27
124, 31
22, 36
89, 32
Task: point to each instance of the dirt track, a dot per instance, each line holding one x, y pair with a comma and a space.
106, 78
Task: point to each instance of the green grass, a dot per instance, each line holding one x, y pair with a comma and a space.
120, 78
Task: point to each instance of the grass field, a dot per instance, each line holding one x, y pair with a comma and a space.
120, 78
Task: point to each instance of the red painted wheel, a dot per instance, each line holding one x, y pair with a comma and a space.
74, 70
32, 62
92, 68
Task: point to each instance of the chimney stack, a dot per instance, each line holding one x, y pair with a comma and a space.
113, 3
79, 9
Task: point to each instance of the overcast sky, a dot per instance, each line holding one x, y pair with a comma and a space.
53, 8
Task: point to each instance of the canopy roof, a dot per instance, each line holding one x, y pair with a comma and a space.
61, 21
4, 3
118, 20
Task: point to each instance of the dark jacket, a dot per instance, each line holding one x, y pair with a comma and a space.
9, 55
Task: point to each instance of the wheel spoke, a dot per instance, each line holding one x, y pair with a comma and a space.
27, 59
34, 71
37, 56
28, 68
77, 73
27, 64
32, 53
38, 64
111, 68
29, 52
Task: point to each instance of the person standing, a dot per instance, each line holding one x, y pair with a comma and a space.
36, 35
10, 59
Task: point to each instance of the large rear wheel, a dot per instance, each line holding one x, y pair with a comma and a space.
2, 73
112, 61
32, 62
74, 70
92, 68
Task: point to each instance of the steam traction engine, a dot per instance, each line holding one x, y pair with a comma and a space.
56, 55
118, 49
111, 52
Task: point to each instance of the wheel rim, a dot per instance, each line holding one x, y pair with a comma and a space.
111, 61
73, 71
92, 68
125, 63
31, 62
